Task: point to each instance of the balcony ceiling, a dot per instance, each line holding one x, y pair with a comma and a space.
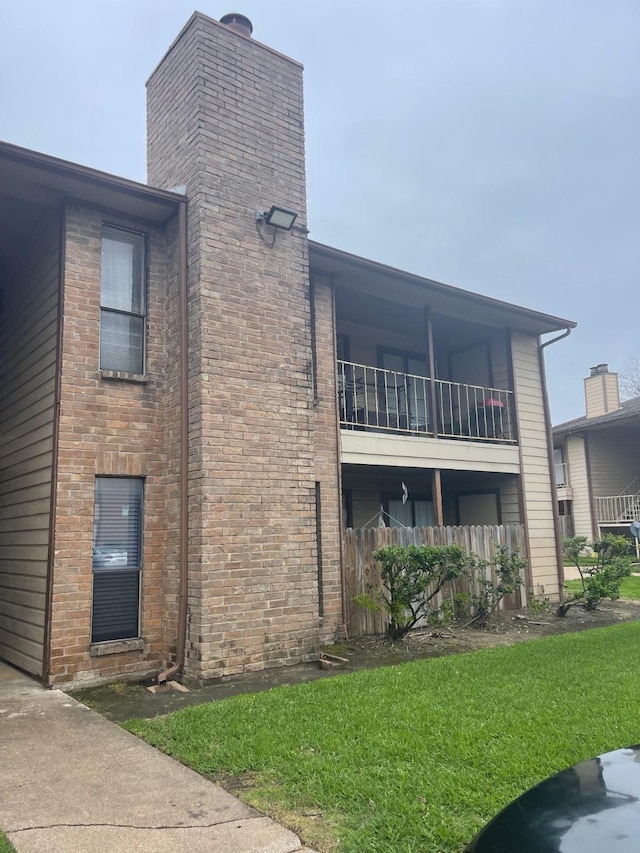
17, 218
355, 306
412, 291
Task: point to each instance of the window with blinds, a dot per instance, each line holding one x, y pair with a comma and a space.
117, 558
122, 301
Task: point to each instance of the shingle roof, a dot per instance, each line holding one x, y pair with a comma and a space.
628, 409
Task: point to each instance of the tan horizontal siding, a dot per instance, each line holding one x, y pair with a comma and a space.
499, 361
21, 579
27, 472
17, 646
34, 507
30, 417
19, 408
614, 456
536, 479
36, 375
13, 499
510, 501
16, 600
576, 459
27, 387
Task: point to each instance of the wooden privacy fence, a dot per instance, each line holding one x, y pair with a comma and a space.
362, 571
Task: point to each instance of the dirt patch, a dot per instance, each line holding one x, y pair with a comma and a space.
123, 701
505, 629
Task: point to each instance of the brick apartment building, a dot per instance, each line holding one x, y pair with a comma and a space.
193, 402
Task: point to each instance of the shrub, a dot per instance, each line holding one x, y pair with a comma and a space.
411, 578
509, 566
601, 580
538, 603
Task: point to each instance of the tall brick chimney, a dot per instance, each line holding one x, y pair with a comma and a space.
225, 119
601, 392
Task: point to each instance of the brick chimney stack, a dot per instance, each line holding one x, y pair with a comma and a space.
225, 119
601, 391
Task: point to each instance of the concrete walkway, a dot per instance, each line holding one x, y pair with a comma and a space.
72, 782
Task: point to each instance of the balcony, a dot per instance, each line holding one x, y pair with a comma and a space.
617, 509
563, 483
374, 399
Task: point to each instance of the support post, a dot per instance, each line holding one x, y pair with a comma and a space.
437, 497
431, 361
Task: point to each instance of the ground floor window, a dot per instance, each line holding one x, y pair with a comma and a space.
566, 520
117, 558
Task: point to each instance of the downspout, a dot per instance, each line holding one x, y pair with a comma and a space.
184, 450
552, 475
338, 454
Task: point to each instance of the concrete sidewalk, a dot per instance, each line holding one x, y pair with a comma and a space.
72, 782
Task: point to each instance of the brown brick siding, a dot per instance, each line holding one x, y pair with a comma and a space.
225, 118
119, 428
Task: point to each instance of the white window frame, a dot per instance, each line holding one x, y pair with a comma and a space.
130, 237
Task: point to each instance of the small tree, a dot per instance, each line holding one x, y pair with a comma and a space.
411, 578
630, 379
601, 580
509, 567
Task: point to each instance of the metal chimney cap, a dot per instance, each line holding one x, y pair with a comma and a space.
237, 22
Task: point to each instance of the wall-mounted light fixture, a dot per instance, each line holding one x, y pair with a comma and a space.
279, 218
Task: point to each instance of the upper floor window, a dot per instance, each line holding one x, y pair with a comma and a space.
560, 468
122, 301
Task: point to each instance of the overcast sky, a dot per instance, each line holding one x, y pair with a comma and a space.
491, 144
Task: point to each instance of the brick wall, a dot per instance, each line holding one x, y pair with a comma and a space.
225, 118
119, 428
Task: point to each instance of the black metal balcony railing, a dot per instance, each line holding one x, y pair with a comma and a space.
375, 399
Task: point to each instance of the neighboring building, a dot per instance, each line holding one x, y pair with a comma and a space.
193, 403
597, 461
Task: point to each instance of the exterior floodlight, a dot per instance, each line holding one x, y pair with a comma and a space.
279, 217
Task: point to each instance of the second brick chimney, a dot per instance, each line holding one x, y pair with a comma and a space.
601, 391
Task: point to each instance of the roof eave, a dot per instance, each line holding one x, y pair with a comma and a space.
114, 183
548, 321
583, 426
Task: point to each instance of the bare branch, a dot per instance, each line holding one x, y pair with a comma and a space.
630, 379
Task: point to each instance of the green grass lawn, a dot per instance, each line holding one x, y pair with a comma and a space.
584, 561
5, 845
629, 588
416, 758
